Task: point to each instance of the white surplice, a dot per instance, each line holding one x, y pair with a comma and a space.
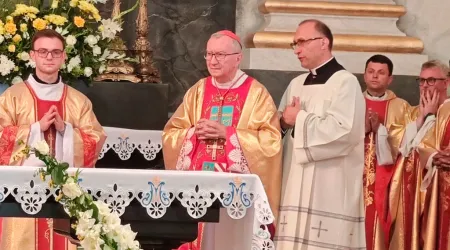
64, 142
322, 202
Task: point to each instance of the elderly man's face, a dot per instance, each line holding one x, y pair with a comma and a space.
222, 57
310, 45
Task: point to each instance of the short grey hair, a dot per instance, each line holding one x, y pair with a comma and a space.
436, 64
236, 44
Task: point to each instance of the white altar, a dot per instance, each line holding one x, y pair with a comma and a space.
243, 218
124, 141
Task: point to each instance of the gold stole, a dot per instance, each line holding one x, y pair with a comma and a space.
405, 169
429, 199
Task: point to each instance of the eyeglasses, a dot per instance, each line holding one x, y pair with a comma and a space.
57, 53
430, 81
301, 42
219, 56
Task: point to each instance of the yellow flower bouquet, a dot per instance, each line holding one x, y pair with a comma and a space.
86, 33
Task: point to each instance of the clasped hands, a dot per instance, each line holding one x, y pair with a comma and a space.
52, 117
207, 129
372, 121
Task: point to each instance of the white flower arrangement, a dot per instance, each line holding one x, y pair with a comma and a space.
96, 226
78, 21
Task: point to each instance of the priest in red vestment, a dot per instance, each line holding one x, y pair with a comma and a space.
435, 167
383, 109
227, 122
44, 108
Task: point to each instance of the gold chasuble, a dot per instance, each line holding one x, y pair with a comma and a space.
435, 186
253, 143
403, 186
21, 107
391, 111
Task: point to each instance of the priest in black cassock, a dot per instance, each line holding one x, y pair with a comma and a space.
322, 115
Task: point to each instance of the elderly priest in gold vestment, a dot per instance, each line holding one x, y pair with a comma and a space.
323, 159
44, 108
227, 122
434, 173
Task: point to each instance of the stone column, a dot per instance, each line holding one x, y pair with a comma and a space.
429, 21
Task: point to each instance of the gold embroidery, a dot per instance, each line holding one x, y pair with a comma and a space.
409, 165
231, 97
369, 165
47, 235
215, 147
445, 180
51, 140
409, 169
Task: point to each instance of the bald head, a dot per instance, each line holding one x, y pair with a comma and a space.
321, 28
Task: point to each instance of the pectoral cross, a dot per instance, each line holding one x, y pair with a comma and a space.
214, 148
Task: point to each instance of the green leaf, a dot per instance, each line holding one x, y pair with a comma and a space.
82, 199
57, 176
94, 212
64, 165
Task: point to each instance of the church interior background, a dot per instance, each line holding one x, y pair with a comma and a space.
409, 32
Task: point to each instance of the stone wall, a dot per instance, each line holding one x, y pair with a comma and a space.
428, 20
179, 30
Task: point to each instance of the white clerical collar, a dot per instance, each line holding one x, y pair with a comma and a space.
47, 92
376, 98
239, 75
314, 71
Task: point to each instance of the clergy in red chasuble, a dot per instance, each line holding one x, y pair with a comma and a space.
383, 110
227, 122
44, 108
434, 173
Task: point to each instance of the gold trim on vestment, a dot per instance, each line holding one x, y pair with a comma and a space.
370, 171
378, 242
186, 115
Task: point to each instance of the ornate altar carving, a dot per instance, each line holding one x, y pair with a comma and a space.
144, 52
118, 70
